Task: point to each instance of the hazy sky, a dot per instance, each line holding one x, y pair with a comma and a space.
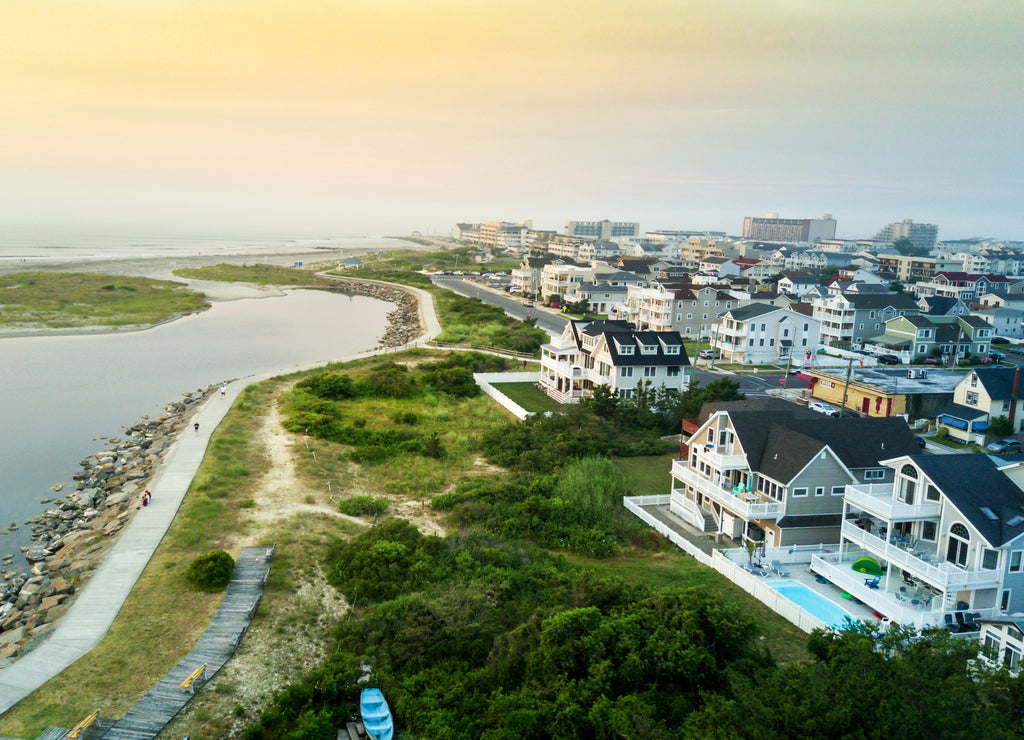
381, 116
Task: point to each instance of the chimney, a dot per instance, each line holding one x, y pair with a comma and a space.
1013, 397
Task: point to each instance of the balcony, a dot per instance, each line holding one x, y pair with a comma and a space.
564, 369
746, 506
717, 458
943, 575
879, 499
903, 605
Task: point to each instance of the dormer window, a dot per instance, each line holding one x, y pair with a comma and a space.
625, 349
672, 349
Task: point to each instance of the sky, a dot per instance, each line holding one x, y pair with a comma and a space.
346, 117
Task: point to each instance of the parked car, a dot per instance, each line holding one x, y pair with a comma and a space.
920, 441
996, 355
710, 354
1004, 445
801, 369
889, 360
823, 408
528, 304
1000, 340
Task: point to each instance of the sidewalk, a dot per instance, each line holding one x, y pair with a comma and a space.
92, 613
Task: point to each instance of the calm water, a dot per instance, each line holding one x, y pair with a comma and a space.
61, 395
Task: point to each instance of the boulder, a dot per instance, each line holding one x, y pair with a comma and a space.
8, 637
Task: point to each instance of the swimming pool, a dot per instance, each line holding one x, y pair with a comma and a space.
813, 603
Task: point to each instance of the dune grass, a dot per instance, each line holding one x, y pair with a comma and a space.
257, 274
59, 300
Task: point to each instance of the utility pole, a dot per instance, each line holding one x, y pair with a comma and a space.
846, 388
714, 336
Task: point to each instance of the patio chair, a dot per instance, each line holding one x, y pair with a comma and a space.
872, 582
970, 624
961, 624
949, 624
777, 567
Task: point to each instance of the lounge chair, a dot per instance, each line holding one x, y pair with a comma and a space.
961, 624
777, 567
755, 570
970, 624
947, 622
872, 582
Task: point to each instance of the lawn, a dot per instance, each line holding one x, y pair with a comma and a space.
72, 300
529, 397
647, 476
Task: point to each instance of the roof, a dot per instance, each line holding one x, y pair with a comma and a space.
998, 382
898, 301
780, 438
618, 334
975, 482
811, 520
801, 279
938, 305
752, 311
961, 412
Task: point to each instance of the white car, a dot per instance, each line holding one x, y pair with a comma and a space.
801, 369
823, 408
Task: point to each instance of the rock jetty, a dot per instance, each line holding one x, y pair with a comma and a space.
403, 323
72, 536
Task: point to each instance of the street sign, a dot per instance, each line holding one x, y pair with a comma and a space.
782, 380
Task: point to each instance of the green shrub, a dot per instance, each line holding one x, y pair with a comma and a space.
363, 506
210, 572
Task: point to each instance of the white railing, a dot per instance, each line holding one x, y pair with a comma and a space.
721, 460
632, 503
878, 499
689, 511
944, 576
761, 591
564, 369
883, 602
741, 506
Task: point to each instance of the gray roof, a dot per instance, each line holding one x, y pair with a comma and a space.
998, 382
751, 311
938, 305
898, 301
620, 332
779, 440
975, 482
961, 412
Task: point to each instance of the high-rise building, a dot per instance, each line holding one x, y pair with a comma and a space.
920, 235
603, 230
772, 228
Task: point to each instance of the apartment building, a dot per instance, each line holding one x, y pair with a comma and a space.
848, 320
503, 235
920, 235
769, 471
773, 228
526, 278
965, 286
757, 334
611, 353
602, 230
910, 269
691, 310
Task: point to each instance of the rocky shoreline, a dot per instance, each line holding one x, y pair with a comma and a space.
403, 323
72, 537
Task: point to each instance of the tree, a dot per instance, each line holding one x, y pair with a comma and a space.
904, 246
1000, 426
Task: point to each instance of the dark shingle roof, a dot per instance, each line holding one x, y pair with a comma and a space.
619, 333
882, 300
780, 438
975, 482
998, 382
958, 411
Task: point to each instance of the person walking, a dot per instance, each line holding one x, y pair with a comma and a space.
223, 391
196, 427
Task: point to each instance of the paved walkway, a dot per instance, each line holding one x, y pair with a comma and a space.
93, 611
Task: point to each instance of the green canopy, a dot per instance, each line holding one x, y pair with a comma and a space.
868, 566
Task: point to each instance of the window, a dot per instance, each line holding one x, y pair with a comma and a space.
974, 380
928, 531
875, 474
673, 371
907, 484
989, 559
626, 372
1011, 658
799, 492
1004, 602
991, 645
806, 326
705, 317
689, 316
971, 399
711, 436
819, 491
959, 540
650, 372
764, 327
838, 490
1015, 558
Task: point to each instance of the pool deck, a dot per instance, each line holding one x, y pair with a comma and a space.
801, 573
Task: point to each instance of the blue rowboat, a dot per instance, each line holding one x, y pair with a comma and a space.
376, 715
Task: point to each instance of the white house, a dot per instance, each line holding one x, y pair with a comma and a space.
758, 333
611, 353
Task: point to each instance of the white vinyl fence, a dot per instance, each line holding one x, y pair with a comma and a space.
484, 380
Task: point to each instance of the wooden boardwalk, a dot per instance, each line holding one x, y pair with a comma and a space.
217, 644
